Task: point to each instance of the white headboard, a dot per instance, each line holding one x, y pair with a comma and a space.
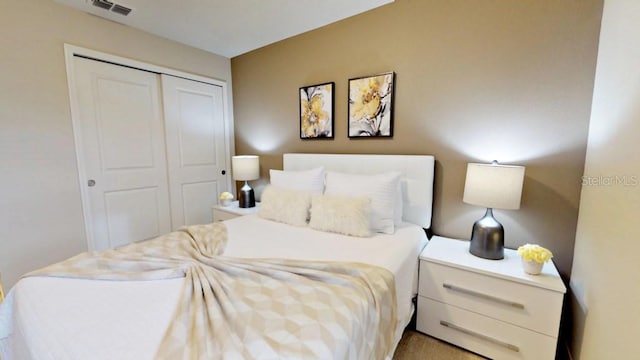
417, 176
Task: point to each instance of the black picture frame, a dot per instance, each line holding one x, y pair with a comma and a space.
317, 103
370, 110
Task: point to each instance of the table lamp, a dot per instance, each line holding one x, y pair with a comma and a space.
492, 186
245, 168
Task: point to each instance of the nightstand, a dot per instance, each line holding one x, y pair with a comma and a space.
221, 213
490, 307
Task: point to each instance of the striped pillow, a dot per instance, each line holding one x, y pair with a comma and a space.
382, 189
305, 180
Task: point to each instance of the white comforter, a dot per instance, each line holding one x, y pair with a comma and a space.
80, 319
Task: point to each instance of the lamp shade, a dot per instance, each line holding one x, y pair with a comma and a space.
494, 186
245, 167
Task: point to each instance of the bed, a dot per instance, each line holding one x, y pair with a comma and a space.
62, 317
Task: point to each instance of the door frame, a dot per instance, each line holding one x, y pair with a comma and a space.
70, 53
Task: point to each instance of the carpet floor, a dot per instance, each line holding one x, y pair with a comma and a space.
418, 346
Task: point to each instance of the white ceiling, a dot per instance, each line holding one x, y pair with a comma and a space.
229, 27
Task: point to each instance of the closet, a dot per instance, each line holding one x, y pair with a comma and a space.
152, 150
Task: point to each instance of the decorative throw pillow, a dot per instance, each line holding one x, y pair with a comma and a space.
346, 215
382, 189
285, 206
306, 180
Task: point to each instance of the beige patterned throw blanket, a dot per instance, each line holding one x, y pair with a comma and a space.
233, 308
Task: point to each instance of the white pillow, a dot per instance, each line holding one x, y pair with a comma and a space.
284, 205
399, 204
348, 215
306, 180
382, 189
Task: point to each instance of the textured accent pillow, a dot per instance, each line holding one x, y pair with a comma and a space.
348, 215
382, 189
285, 206
307, 180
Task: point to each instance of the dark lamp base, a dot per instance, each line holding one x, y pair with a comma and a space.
246, 198
487, 238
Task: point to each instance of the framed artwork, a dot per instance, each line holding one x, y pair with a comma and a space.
371, 106
316, 111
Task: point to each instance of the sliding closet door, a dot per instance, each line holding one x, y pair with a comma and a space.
121, 153
196, 148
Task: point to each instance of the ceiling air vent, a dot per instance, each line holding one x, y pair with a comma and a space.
108, 5
122, 10
104, 4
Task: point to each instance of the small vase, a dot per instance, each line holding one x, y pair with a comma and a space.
225, 202
532, 267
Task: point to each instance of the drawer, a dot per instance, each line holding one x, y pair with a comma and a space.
219, 215
483, 335
527, 306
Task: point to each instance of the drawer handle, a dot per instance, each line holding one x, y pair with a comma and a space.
483, 296
481, 336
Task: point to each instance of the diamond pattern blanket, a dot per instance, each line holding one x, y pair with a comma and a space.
232, 308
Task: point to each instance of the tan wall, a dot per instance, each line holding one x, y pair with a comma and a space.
476, 80
40, 209
605, 276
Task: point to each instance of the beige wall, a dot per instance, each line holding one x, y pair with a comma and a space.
476, 80
40, 210
606, 277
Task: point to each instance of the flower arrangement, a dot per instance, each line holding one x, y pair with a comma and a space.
532, 252
226, 196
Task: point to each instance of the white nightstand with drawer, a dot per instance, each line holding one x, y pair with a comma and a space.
491, 307
221, 213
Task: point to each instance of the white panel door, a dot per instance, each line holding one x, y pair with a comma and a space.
196, 148
121, 153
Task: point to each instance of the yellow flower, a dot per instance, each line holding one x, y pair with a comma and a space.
532, 252
226, 196
367, 104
